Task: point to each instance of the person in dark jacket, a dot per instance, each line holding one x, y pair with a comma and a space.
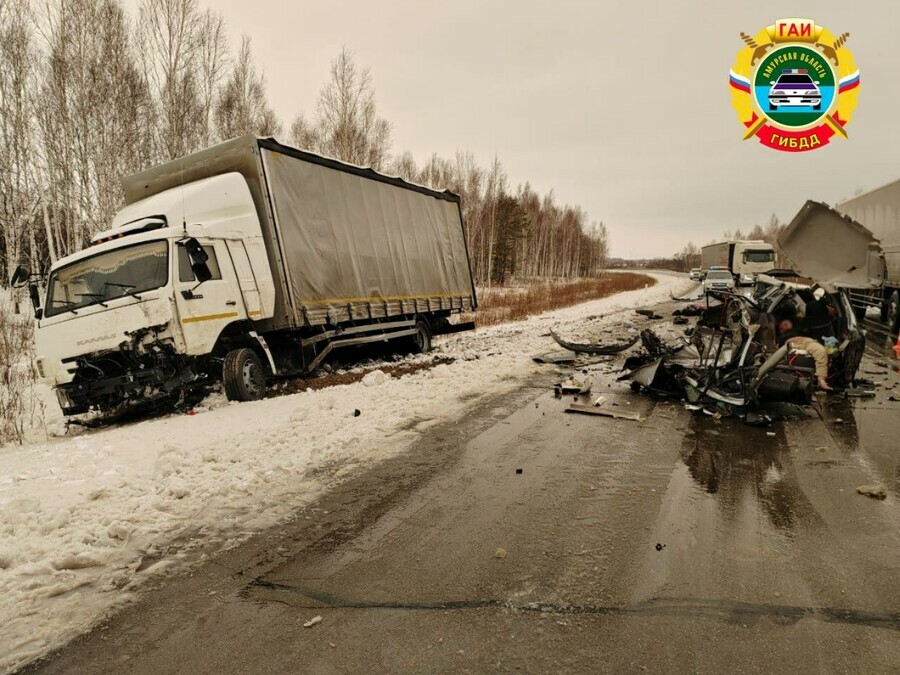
819, 320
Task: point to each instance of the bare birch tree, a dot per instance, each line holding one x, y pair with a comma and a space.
171, 34
242, 107
346, 124
16, 127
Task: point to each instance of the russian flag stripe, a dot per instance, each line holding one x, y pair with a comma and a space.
849, 82
739, 82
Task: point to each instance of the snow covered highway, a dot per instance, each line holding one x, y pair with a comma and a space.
86, 521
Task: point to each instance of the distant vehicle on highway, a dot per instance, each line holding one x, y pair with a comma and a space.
745, 259
718, 279
696, 274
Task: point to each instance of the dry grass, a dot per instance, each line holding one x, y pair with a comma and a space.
499, 305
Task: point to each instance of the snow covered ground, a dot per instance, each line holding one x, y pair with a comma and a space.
80, 515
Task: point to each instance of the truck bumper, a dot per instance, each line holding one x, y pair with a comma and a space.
109, 392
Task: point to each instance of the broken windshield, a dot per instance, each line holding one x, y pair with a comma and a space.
129, 270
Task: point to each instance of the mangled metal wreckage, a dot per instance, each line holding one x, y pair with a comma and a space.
732, 358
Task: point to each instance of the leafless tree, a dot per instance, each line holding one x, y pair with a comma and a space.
16, 129
242, 107
171, 36
346, 123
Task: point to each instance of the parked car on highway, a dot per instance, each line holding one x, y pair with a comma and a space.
718, 280
696, 274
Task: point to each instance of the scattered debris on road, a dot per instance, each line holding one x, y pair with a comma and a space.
574, 386
752, 353
608, 350
606, 412
312, 622
500, 553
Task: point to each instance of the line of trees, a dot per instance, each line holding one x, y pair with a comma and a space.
89, 94
689, 256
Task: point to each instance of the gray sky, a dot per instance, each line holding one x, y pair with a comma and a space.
622, 107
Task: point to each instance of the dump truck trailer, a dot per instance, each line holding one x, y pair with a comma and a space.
247, 261
879, 212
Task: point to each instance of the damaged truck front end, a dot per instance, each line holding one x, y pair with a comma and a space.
144, 368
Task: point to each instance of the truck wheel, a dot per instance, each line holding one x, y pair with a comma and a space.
244, 375
421, 340
893, 313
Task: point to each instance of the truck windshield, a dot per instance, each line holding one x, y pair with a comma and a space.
130, 270
759, 256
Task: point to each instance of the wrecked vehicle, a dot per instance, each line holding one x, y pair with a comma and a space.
732, 358
242, 262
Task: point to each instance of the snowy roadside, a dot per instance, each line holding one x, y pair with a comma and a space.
79, 516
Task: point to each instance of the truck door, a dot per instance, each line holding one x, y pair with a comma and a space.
206, 309
245, 278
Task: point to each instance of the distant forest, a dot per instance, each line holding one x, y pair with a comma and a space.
89, 93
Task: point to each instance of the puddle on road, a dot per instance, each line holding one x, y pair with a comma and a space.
745, 469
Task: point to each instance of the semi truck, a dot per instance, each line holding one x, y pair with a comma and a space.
244, 262
745, 259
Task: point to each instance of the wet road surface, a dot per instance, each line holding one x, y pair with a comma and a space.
677, 543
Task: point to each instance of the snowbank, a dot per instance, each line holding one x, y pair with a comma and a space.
80, 516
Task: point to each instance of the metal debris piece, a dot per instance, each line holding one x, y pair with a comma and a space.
573, 386
557, 356
594, 349
606, 412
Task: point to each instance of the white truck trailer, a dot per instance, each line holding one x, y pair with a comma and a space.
745, 259
246, 261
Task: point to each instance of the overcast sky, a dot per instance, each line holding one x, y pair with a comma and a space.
621, 107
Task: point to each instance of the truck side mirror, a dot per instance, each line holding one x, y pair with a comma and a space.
20, 277
198, 260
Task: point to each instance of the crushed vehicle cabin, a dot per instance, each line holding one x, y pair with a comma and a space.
733, 358
243, 262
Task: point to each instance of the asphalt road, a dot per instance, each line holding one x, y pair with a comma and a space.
672, 544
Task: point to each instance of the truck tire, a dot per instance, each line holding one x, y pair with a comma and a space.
893, 313
243, 375
421, 340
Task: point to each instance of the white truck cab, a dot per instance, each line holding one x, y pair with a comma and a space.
134, 291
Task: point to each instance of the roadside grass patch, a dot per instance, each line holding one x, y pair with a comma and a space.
513, 303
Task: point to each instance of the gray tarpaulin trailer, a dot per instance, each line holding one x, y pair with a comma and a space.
345, 243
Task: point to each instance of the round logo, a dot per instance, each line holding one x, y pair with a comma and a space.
794, 85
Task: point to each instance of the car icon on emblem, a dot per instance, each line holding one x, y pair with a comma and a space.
794, 88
